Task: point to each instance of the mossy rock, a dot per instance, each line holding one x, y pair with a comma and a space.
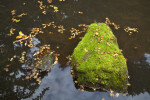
97, 60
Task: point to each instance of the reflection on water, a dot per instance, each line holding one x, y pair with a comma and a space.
60, 86
58, 83
147, 56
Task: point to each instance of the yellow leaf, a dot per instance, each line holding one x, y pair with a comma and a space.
17, 20
76, 82
20, 33
27, 77
18, 37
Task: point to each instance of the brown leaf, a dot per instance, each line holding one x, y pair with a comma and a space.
49, 1
6, 69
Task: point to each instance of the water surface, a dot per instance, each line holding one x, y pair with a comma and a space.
58, 83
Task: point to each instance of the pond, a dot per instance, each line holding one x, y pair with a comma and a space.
57, 84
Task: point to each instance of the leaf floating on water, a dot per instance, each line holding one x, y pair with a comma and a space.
55, 9
80, 12
44, 12
39, 82
75, 82
111, 91
11, 59
61, 29
130, 30
103, 98
18, 37
112, 95
24, 3
21, 15
69, 38
129, 84
55, 62
49, 1
11, 32
62, 0
13, 12
117, 94
108, 22
20, 33
6, 69
8, 65
124, 94
15, 20
56, 58
27, 77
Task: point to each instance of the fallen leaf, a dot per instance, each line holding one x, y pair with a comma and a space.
18, 37
6, 69
27, 77
76, 82
85, 50
80, 12
108, 44
69, 38
102, 36
49, 1
117, 94
56, 58
13, 12
103, 98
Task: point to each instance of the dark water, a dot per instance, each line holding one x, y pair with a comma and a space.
58, 83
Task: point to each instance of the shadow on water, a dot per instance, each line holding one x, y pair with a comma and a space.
58, 83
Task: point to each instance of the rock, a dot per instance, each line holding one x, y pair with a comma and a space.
97, 60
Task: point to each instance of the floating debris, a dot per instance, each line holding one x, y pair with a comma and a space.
62, 0
44, 60
108, 22
6, 69
80, 12
103, 98
69, 59
124, 94
75, 82
117, 94
28, 40
74, 32
49, 1
13, 12
130, 30
11, 59
44, 12
16, 18
61, 29
55, 9
11, 32
22, 58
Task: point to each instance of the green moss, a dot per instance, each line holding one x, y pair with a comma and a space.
98, 61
